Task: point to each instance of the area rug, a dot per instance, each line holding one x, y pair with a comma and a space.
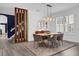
45, 51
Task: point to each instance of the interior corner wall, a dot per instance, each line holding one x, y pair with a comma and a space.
70, 36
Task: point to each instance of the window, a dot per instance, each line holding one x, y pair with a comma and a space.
65, 23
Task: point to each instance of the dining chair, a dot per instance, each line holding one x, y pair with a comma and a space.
45, 40
53, 42
38, 40
60, 38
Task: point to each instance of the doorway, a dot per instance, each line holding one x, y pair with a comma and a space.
3, 26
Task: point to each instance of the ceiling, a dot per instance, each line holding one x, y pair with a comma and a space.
39, 7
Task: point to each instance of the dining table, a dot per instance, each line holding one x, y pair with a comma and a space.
46, 35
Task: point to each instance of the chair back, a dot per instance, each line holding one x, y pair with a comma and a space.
54, 37
36, 37
60, 36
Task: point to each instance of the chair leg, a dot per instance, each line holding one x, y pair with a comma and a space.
57, 43
62, 42
36, 45
53, 44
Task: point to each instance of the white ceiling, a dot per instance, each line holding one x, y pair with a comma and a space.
39, 7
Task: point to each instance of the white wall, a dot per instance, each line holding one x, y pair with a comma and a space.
33, 18
3, 19
71, 36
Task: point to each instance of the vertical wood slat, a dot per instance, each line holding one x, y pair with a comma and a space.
20, 23
25, 24
16, 24
21, 26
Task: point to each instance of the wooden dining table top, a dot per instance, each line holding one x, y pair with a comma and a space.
46, 34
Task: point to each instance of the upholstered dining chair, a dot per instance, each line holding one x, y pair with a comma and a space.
37, 40
60, 38
53, 41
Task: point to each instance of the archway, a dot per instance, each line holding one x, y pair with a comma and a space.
3, 22
3, 25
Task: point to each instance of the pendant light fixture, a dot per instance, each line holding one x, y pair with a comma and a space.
49, 12
49, 17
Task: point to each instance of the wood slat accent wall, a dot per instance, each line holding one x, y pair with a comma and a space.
21, 26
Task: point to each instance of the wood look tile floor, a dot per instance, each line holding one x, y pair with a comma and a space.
74, 51
19, 49
10, 49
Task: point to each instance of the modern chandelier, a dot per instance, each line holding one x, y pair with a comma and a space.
49, 12
49, 17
